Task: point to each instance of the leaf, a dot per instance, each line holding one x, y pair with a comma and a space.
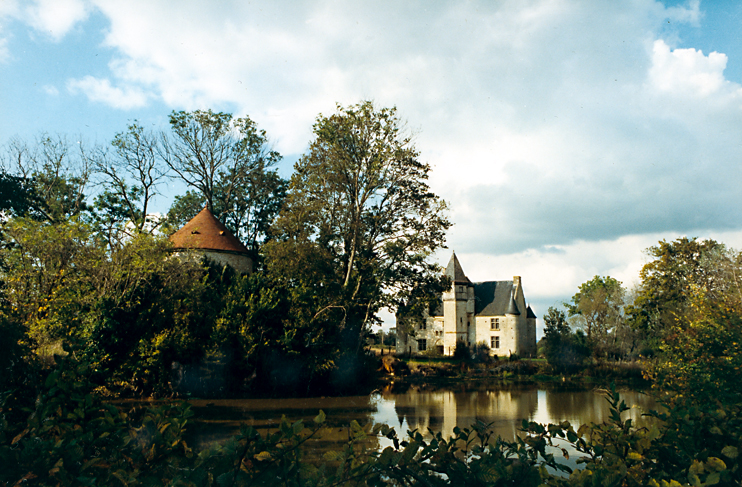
729, 452
224, 479
18, 438
717, 464
332, 456
320, 418
488, 475
712, 479
263, 456
90, 463
409, 453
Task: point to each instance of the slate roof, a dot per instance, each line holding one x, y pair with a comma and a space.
493, 298
205, 232
455, 272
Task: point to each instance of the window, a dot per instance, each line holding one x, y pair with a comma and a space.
494, 323
422, 345
423, 325
495, 342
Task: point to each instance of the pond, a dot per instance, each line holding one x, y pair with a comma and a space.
407, 407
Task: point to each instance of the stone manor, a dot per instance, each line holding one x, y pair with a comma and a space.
493, 312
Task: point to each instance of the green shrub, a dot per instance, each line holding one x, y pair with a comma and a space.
71, 438
481, 353
462, 352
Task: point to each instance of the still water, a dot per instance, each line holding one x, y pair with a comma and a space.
408, 407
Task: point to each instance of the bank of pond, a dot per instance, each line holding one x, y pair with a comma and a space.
481, 430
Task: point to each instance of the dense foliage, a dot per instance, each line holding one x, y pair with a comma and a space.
67, 436
358, 225
92, 303
564, 350
350, 234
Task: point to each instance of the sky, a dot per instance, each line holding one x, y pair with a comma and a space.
567, 136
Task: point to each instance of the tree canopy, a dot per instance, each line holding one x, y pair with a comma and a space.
211, 151
667, 282
360, 197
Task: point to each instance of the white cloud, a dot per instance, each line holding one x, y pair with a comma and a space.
690, 14
56, 18
687, 71
101, 90
537, 116
566, 135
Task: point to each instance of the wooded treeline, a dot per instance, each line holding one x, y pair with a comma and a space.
86, 267
91, 303
682, 320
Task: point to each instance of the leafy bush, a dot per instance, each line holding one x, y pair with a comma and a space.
71, 438
462, 351
481, 353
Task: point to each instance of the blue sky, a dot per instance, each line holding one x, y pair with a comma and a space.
567, 136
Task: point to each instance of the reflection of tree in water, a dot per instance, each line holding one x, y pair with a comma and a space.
218, 420
581, 407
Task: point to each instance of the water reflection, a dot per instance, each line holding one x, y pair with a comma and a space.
218, 420
415, 407
445, 409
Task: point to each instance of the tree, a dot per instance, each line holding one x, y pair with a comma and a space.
360, 199
666, 283
701, 353
131, 174
58, 174
253, 208
211, 151
183, 209
699, 346
17, 195
598, 309
564, 350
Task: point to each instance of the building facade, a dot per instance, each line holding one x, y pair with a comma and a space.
493, 312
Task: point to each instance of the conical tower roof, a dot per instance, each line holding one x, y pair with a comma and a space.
455, 272
205, 232
512, 307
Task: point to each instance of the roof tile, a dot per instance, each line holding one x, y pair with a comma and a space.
205, 232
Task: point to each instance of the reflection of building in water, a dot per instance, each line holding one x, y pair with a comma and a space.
441, 411
492, 312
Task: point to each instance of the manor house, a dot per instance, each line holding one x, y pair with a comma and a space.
493, 312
